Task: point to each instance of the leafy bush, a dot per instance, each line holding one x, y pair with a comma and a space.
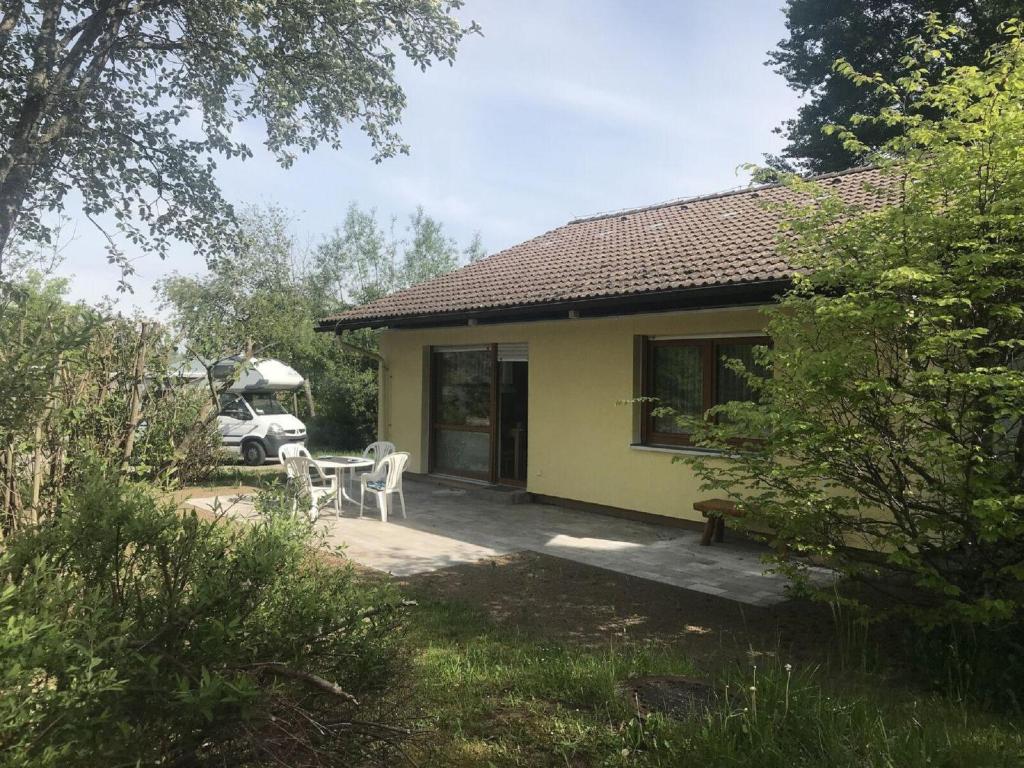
132, 634
346, 414
180, 442
79, 381
893, 425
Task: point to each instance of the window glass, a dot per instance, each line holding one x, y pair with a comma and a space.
730, 385
463, 388
463, 452
266, 405
233, 407
678, 379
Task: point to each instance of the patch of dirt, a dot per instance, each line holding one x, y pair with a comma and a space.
566, 601
679, 697
224, 492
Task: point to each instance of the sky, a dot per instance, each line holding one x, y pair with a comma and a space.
562, 108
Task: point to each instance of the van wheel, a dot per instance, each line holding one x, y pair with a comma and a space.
253, 453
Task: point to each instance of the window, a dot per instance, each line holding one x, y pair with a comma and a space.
691, 376
479, 398
232, 407
266, 404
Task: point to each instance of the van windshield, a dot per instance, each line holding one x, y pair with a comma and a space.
266, 405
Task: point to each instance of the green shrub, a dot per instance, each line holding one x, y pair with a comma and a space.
180, 443
983, 664
54, 677
892, 432
79, 381
132, 634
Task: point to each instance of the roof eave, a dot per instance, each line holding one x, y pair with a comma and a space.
704, 297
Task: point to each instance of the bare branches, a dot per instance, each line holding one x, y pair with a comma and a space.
135, 399
315, 681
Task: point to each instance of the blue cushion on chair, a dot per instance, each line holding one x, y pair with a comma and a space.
377, 485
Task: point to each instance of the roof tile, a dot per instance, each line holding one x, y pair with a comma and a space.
716, 240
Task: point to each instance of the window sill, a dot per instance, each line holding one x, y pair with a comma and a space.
680, 450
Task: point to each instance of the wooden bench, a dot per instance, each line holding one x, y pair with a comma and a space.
715, 511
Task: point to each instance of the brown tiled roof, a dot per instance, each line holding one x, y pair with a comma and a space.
717, 240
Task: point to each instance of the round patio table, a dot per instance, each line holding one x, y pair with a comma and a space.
339, 465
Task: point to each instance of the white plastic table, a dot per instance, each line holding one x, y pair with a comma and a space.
339, 465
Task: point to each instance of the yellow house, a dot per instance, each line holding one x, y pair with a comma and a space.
523, 369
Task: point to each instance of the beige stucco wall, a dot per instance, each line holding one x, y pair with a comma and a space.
579, 433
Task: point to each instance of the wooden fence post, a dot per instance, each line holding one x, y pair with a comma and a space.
37, 455
135, 405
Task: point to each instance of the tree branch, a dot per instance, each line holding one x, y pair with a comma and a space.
12, 14
279, 669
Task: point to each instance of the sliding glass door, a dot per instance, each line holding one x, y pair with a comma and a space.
478, 401
462, 405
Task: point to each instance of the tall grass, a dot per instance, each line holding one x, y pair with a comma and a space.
493, 697
780, 717
502, 698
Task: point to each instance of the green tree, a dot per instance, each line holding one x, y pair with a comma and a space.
255, 299
870, 35
430, 252
360, 261
130, 102
263, 303
270, 295
892, 441
475, 251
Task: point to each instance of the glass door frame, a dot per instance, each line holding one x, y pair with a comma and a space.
492, 429
499, 478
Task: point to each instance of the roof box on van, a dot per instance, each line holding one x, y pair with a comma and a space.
256, 375
266, 375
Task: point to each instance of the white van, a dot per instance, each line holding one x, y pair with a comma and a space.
251, 421
256, 425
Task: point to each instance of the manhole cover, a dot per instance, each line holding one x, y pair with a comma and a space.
680, 697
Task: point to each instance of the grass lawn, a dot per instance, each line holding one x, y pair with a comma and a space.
524, 661
494, 690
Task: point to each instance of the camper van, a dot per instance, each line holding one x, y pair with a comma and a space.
252, 421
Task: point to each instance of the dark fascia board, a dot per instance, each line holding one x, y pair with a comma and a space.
709, 297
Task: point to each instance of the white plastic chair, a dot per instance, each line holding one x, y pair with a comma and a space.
380, 450
384, 481
288, 450
320, 494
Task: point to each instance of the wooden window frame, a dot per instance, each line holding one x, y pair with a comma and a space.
648, 435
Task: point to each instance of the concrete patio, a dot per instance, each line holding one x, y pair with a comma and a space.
450, 526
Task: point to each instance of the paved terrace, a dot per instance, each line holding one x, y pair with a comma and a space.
451, 526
